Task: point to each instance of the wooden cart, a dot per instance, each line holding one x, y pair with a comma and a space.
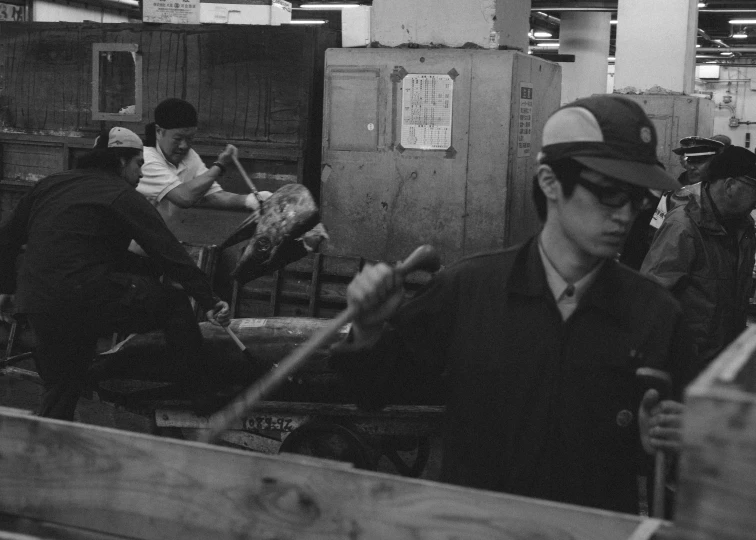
314, 413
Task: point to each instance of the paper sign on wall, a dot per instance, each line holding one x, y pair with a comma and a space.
171, 11
427, 112
525, 120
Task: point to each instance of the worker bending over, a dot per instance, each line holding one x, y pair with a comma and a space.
540, 343
77, 226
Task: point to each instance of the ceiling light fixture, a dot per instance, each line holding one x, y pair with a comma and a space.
740, 35
613, 21
742, 21
307, 21
541, 34
702, 4
550, 45
328, 6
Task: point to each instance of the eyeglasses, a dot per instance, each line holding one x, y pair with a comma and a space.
616, 196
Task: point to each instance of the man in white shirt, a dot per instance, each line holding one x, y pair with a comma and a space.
173, 174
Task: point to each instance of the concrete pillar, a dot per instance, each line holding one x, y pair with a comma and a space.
452, 23
586, 35
656, 46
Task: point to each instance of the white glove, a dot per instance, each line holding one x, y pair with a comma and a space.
253, 203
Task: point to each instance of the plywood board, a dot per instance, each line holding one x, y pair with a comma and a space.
146, 487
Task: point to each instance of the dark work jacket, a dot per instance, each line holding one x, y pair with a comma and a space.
707, 268
535, 406
77, 226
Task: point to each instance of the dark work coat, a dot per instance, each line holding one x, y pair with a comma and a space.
706, 267
535, 406
77, 226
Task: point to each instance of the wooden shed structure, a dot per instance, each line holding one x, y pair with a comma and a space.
258, 87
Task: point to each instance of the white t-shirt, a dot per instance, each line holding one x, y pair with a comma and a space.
159, 176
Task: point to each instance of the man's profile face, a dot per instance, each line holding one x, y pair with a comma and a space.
743, 196
697, 167
175, 143
595, 228
132, 169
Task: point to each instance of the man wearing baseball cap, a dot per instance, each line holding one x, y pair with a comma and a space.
72, 287
538, 344
704, 251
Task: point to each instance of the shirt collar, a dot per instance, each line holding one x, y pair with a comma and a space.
562, 289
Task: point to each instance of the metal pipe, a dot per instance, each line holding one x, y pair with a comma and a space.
728, 49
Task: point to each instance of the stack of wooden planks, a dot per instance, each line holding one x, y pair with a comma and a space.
65, 480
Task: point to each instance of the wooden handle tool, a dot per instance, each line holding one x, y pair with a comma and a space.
423, 258
247, 179
662, 383
242, 347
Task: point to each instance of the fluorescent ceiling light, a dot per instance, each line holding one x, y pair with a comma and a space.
551, 45
328, 6
726, 53
702, 4
611, 58
740, 35
308, 21
613, 21
698, 45
541, 34
743, 21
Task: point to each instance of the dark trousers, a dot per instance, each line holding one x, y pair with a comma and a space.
67, 338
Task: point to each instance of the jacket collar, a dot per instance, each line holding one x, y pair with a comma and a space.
701, 211
528, 278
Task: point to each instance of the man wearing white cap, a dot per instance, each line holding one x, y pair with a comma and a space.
77, 226
538, 344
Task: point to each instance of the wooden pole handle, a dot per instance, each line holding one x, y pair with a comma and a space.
234, 337
660, 482
247, 179
423, 258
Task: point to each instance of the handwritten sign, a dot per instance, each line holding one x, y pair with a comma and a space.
525, 120
171, 11
427, 112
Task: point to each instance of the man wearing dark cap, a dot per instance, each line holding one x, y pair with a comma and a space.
173, 173
695, 155
538, 344
704, 251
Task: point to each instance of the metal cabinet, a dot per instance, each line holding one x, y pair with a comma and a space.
381, 198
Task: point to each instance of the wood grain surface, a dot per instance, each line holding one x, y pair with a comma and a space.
141, 486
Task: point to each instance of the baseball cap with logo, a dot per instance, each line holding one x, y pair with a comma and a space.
699, 147
609, 134
119, 137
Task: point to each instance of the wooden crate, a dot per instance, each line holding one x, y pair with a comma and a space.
66, 480
314, 286
717, 488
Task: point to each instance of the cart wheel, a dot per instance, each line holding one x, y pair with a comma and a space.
414, 469
330, 441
